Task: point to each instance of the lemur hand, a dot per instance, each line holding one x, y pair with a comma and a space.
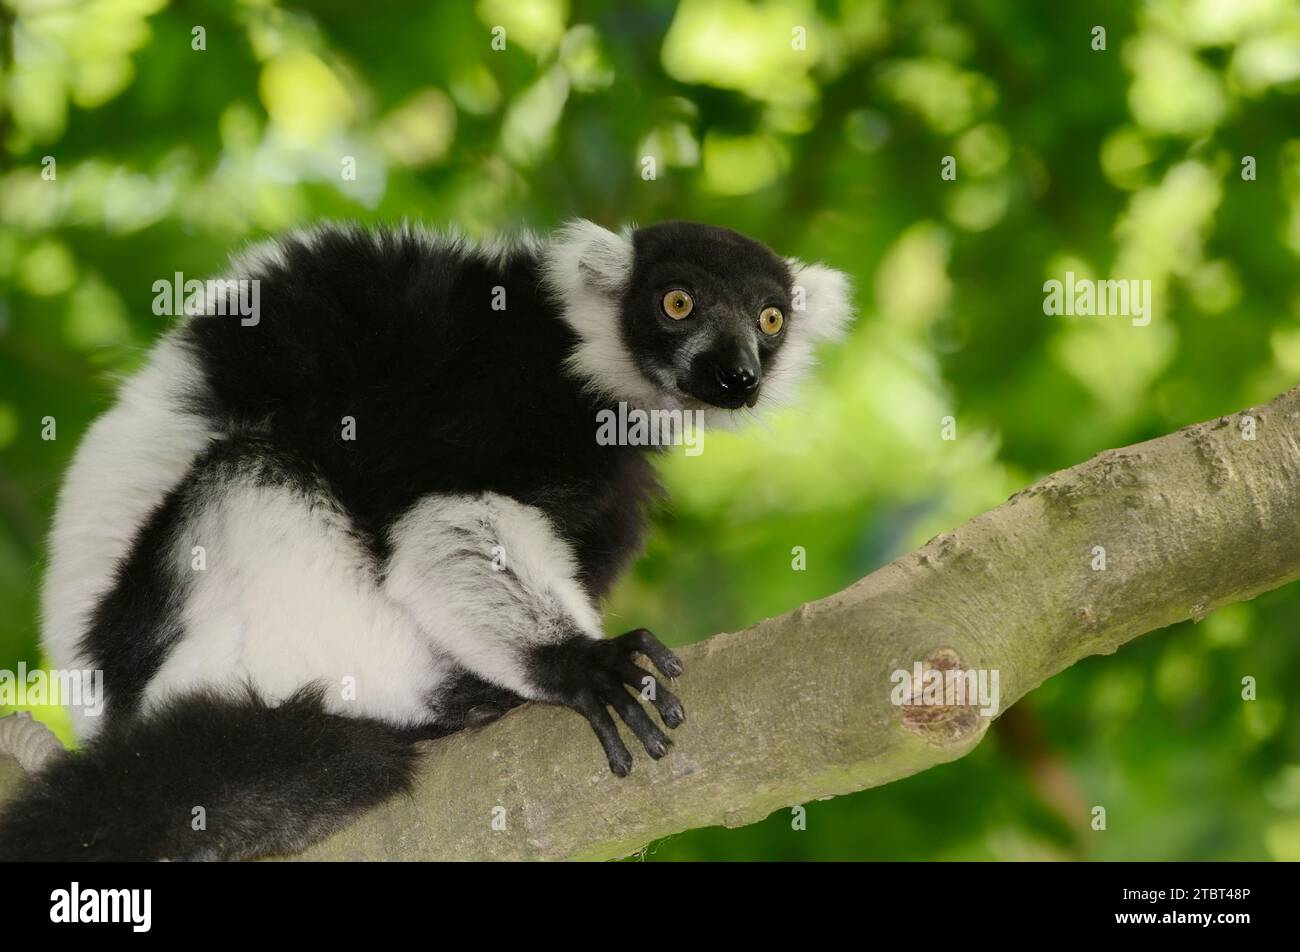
589, 675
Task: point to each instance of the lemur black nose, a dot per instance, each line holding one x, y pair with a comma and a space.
737, 379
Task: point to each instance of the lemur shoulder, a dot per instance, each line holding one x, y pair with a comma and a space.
394, 485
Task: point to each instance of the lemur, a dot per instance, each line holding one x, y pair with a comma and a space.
424, 572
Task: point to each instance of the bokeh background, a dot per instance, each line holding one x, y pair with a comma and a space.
1122, 162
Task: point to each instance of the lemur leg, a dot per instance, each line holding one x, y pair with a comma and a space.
492, 584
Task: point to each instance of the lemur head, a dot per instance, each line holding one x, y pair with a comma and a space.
688, 315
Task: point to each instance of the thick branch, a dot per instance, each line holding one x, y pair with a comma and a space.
798, 707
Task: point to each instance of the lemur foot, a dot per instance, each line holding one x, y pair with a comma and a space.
590, 675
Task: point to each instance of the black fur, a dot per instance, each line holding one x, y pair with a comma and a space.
270, 779
449, 395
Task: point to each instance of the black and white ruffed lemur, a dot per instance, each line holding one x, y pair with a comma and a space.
445, 562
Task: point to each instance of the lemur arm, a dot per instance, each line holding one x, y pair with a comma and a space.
493, 585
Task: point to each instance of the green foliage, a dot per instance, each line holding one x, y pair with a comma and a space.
1123, 162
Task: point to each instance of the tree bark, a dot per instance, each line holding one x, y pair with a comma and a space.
799, 707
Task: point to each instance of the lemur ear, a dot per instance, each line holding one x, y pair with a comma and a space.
586, 270
822, 300
586, 257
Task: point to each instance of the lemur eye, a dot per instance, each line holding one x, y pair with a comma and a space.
770, 321
678, 304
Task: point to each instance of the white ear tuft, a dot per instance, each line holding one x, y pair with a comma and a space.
822, 301
821, 307
586, 270
585, 257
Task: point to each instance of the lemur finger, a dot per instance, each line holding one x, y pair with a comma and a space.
666, 702
640, 639
651, 737
620, 758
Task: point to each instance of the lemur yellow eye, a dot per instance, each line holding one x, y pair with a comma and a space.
770, 321
678, 304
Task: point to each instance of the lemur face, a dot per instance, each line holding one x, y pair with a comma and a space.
705, 312
691, 316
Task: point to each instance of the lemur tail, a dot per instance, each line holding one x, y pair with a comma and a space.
208, 777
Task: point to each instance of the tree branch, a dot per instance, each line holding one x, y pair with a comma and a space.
798, 707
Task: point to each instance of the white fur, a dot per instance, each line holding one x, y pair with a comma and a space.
487, 577
825, 316
260, 257
828, 301
129, 460
586, 269
289, 597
